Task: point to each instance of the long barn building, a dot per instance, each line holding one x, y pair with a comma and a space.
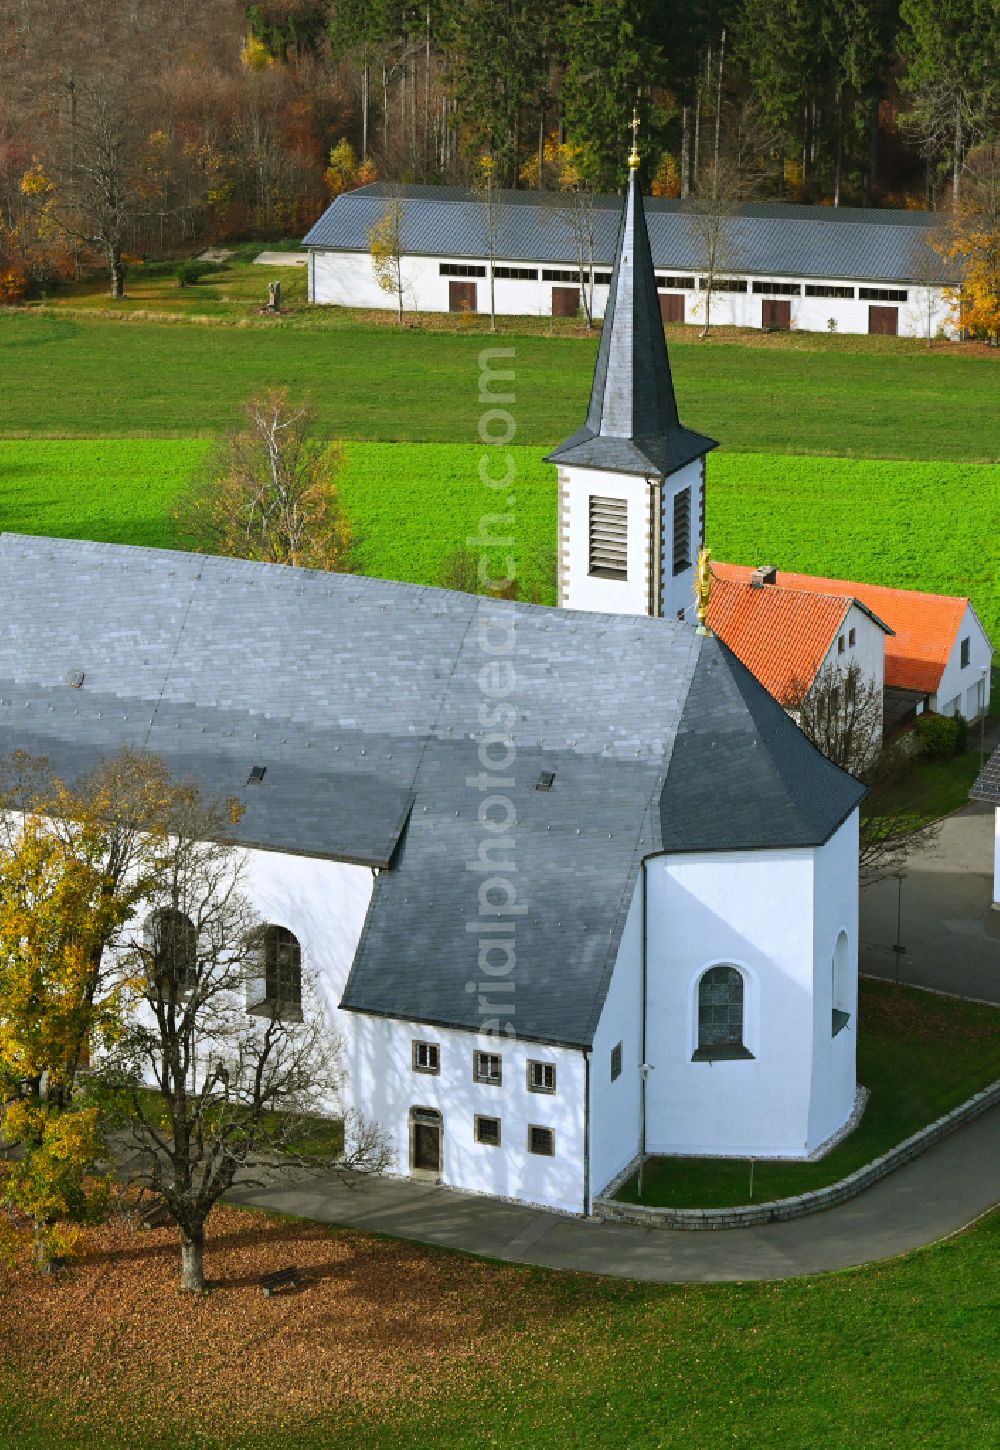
778, 265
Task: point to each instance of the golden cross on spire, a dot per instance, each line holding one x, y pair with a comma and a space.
633, 159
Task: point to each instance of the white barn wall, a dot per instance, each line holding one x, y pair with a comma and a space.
959, 688
346, 279
386, 1087
614, 1106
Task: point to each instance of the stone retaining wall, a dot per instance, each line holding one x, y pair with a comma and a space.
750, 1214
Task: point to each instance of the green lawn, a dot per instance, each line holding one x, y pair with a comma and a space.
413, 504
919, 1056
901, 1355
66, 376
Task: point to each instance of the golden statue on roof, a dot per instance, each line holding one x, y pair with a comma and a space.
703, 588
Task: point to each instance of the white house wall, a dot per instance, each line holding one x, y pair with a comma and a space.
755, 911
966, 691
346, 279
614, 1105
386, 1087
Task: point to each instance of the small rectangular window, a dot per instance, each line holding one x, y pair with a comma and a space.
616, 1061
602, 279
609, 537
517, 274
840, 644
682, 530
852, 637
460, 269
426, 1057
676, 284
541, 1077
820, 289
488, 1131
487, 1067
559, 274
882, 294
778, 289
724, 284
542, 1141
965, 652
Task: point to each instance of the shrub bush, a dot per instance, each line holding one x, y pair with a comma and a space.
941, 736
191, 273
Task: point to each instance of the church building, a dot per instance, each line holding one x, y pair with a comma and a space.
575, 886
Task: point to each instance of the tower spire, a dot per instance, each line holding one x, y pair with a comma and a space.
632, 424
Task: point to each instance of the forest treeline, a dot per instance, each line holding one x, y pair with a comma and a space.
146, 126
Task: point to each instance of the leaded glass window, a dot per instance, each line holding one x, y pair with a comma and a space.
720, 1010
282, 967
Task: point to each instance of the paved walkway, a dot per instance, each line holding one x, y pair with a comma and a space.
937, 1194
951, 934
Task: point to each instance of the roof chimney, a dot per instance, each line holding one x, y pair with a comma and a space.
763, 574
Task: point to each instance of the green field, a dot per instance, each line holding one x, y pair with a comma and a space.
70, 377
917, 525
919, 1057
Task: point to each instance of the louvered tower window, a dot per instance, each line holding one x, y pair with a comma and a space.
682, 530
609, 537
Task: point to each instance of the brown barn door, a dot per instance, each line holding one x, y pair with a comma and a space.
883, 321
776, 313
565, 301
462, 297
672, 306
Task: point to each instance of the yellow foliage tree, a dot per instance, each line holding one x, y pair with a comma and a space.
667, 181
75, 864
974, 241
345, 172
255, 54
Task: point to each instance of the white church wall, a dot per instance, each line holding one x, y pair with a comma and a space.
579, 588
960, 690
346, 279
754, 911
614, 1105
386, 1087
835, 910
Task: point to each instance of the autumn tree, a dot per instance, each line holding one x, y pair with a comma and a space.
75, 863
385, 242
974, 242
227, 1069
567, 169
270, 491
490, 198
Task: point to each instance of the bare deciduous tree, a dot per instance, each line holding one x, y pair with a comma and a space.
270, 492
227, 1069
385, 241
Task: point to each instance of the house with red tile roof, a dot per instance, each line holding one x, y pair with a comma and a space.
786, 637
937, 653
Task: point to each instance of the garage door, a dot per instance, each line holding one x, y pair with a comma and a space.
462, 297
883, 321
672, 306
776, 313
565, 301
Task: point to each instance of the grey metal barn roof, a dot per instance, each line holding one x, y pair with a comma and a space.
763, 239
361, 698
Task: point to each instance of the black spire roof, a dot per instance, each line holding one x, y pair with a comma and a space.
632, 425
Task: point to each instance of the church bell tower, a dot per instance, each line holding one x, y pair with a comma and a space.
632, 479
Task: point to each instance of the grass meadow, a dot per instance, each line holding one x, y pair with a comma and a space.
412, 505
67, 376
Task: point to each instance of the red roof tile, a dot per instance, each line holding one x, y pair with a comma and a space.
781, 635
924, 625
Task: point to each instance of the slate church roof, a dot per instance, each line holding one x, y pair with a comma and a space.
361, 698
632, 425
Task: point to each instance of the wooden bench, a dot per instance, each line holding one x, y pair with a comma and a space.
280, 1279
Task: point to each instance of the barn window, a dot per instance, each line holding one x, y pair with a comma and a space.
559, 274
778, 289
609, 537
456, 269
682, 530
821, 289
174, 943
724, 284
882, 294
517, 274
676, 284
720, 1015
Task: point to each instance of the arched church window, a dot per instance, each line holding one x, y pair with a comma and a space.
841, 973
720, 1015
174, 944
282, 967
